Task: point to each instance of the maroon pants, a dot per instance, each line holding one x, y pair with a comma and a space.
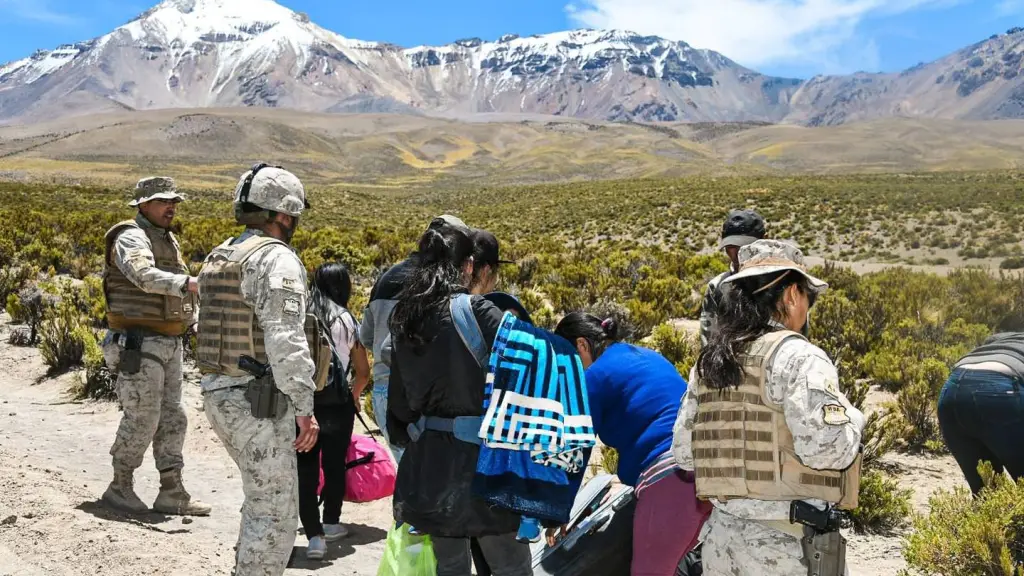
666, 525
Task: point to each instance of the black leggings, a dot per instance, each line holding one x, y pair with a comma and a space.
336, 424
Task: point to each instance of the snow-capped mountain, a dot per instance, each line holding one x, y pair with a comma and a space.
225, 53
205, 53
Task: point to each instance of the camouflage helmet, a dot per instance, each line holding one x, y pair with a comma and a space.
271, 188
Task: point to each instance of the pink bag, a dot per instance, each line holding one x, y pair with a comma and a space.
371, 472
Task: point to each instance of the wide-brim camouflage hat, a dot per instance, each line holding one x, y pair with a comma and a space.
771, 256
155, 188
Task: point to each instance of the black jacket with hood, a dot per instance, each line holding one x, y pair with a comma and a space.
441, 378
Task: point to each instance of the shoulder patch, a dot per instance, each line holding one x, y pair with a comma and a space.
835, 415
291, 306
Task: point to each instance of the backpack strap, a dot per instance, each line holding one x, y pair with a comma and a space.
468, 328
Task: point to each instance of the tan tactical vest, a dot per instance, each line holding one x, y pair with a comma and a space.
742, 447
228, 327
128, 306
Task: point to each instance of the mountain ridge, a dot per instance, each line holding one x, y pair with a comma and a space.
225, 53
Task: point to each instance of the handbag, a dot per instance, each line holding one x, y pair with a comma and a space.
406, 554
370, 472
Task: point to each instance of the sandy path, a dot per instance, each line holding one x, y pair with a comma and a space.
54, 466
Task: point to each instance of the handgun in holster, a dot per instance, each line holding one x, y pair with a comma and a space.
265, 400
130, 359
823, 544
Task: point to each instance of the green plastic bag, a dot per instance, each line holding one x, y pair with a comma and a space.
407, 555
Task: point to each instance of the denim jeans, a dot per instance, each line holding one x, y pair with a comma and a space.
981, 416
380, 414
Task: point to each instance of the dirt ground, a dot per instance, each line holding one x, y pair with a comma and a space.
54, 466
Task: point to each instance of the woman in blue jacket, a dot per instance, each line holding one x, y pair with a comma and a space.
635, 394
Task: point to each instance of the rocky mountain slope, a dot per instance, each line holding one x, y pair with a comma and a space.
980, 82
217, 53
257, 53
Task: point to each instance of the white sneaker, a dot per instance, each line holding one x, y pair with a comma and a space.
334, 532
316, 549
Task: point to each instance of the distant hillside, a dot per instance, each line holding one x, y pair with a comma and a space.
212, 146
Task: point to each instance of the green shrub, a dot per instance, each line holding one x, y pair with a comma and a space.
29, 306
1012, 263
917, 403
676, 346
966, 536
882, 504
99, 382
63, 332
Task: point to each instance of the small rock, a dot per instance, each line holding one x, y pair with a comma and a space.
13, 414
186, 520
29, 515
9, 520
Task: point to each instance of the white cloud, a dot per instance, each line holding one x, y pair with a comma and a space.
37, 11
819, 33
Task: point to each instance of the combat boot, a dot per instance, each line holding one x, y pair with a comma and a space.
121, 494
173, 499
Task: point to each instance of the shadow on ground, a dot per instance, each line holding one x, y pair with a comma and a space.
359, 535
149, 521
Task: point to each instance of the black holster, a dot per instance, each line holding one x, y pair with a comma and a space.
130, 360
265, 400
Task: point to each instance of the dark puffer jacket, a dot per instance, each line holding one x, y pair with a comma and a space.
433, 491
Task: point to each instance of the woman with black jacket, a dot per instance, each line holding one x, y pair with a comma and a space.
434, 374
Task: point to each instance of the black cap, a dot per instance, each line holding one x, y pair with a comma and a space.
742, 227
485, 248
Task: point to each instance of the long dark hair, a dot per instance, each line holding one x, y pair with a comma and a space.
331, 291
745, 313
598, 333
435, 275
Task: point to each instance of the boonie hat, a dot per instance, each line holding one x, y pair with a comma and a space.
741, 228
485, 248
770, 256
155, 188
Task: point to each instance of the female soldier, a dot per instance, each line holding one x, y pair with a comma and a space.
434, 375
634, 395
764, 424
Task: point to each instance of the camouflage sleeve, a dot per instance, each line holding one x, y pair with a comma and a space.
826, 427
274, 282
682, 431
133, 256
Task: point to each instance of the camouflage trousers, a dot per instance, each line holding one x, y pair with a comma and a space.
739, 547
151, 406
264, 451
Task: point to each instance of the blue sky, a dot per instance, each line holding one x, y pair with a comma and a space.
785, 37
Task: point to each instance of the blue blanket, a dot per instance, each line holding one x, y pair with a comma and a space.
537, 431
536, 396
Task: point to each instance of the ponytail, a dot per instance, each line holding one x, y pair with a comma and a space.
436, 274
597, 332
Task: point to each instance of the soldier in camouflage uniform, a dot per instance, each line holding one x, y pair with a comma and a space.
254, 303
741, 228
149, 294
763, 422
